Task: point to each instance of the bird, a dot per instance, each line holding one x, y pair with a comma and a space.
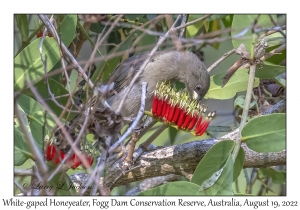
163, 66
183, 66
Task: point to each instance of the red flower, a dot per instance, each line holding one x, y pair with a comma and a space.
50, 151
177, 112
74, 161
159, 107
193, 122
203, 126
177, 108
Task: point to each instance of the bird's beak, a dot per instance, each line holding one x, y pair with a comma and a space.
195, 95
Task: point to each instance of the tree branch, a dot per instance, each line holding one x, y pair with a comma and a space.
183, 160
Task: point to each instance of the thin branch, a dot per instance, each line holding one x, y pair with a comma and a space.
192, 22
245, 110
135, 122
21, 172
101, 166
268, 55
20, 187
215, 64
183, 22
44, 61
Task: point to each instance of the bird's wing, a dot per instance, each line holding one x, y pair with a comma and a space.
124, 73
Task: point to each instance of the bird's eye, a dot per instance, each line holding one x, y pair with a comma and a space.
198, 87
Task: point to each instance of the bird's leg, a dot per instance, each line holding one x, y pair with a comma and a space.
130, 149
126, 161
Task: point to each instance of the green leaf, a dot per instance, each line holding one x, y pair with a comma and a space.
269, 71
28, 104
37, 126
22, 24
278, 177
37, 132
238, 164
28, 64
68, 29
58, 90
266, 133
276, 59
223, 186
213, 161
21, 149
241, 24
237, 83
227, 21
193, 29
172, 133
173, 188
280, 80
275, 39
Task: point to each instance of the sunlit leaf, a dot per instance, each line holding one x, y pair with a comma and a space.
28, 104
28, 64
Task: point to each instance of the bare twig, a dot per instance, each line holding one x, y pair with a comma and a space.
21, 172
245, 110
135, 122
101, 162
47, 82
192, 22
183, 22
20, 187
131, 148
215, 64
